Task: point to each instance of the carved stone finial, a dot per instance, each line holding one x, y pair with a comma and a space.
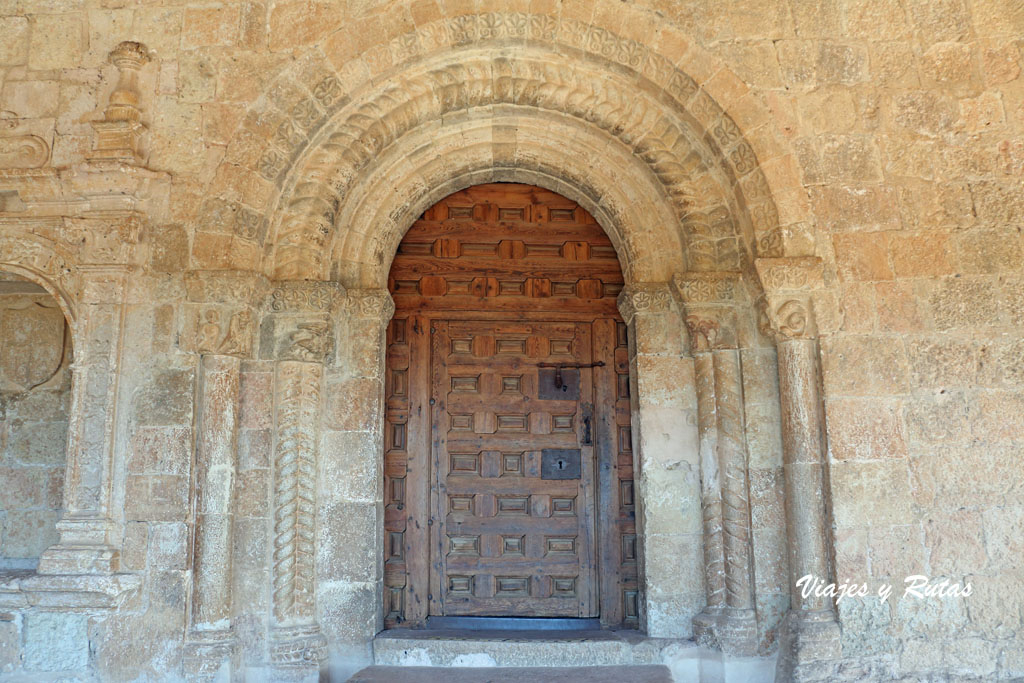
119, 131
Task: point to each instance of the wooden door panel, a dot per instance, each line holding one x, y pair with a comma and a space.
517, 544
489, 283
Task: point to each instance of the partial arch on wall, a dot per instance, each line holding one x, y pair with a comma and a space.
45, 264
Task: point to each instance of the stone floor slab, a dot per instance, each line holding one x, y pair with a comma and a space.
583, 674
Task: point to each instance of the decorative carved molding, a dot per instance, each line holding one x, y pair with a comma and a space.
45, 260
119, 131
305, 296
803, 273
230, 287
371, 304
702, 288
297, 399
25, 151
647, 298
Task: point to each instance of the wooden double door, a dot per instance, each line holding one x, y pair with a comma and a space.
508, 461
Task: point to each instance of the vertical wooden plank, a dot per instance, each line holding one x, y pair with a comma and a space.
439, 349
418, 430
605, 445
587, 585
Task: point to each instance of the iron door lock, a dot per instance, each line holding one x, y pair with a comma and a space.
560, 463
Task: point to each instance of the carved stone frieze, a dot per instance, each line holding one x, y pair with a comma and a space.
704, 288
647, 298
370, 304
223, 331
304, 296
802, 273
45, 259
105, 237
228, 287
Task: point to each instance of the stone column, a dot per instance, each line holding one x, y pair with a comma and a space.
702, 336
299, 336
88, 534
211, 641
738, 627
809, 636
729, 620
665, 462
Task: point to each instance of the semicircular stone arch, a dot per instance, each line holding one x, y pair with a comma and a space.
312, 135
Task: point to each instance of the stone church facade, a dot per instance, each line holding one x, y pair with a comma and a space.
261, 264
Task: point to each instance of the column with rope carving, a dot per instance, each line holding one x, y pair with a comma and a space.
301, 333
728, 620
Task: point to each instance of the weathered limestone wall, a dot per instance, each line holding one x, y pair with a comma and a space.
891, 135
35, 393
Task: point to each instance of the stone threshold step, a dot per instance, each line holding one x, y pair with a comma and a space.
468, 648
582, 674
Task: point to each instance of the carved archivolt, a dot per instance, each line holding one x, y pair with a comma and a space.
697, 153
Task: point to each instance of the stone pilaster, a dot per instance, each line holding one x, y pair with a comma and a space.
211, 642
728, 620
299, 335
87, 530
665, 460
809, 636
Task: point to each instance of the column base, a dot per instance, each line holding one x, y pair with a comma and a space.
84, 548
211, 656
737, 632
79, 559
705, 628
297, 653
809, 646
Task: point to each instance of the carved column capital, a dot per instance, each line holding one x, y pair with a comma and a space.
783, 318
300, 323
710, 303
644, 298
220, 316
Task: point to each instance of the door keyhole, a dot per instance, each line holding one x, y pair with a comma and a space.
561, 464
